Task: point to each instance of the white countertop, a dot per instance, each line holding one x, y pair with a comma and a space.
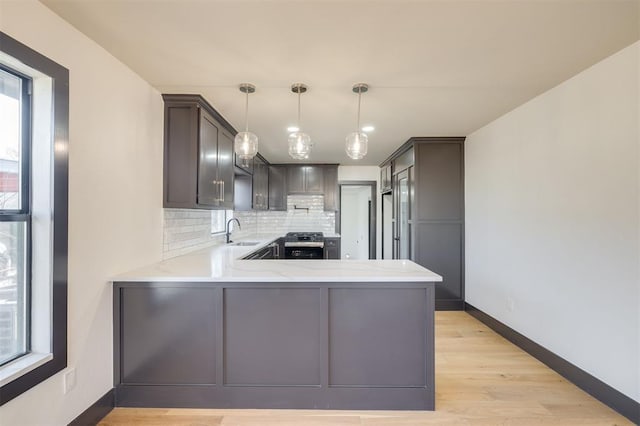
223, 263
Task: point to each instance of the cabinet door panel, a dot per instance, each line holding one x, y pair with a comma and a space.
402, 201
180, 156
278, 188
168, 335
272, 336
260, 184
331, 188
370, 344
314, 179
225, 168
295, 179
209, 186
439, 248
439, 178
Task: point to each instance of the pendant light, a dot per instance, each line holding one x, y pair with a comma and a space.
299, 142
245, 143
358, 141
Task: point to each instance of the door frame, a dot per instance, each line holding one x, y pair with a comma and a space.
373, 211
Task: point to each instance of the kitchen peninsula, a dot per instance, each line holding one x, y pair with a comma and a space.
209, 329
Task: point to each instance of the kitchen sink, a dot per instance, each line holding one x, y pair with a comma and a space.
245, 243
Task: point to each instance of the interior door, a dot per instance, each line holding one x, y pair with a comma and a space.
355, 212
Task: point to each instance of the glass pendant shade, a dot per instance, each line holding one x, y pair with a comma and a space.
357, 145
358, 141
299, 142
299, 145
245, 145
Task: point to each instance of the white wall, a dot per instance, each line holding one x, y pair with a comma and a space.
115, 197
552, 207
359, 173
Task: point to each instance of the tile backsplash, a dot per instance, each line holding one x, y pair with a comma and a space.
304, 213
189, 230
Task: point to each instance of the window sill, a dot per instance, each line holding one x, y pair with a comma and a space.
22, 365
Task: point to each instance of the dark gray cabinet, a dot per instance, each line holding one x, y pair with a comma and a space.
278, 187
332, 248
273, 345
428, 211
385, 178
260, 183
163, 322
310, 179
307, 179
225, 167
402, 236
331, 187
438, 211
243, 192
198, 155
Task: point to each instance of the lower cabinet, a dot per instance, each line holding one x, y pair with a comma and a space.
331, 248
322, 345
160, 343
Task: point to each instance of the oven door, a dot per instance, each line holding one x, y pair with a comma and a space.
303, 252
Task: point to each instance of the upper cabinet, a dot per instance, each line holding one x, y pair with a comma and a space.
308, 179
331, 187
260, 183
278, 187
305, 179
198, 155
385, 178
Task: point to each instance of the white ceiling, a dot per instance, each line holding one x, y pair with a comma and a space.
435, 68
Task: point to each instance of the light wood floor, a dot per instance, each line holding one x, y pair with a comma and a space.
481, 379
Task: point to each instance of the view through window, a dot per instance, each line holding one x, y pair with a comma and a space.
14, 216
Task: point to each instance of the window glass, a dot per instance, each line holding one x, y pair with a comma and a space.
13, 291
219, 220
14, 222
10, 140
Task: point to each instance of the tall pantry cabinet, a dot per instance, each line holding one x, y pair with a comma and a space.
428, 211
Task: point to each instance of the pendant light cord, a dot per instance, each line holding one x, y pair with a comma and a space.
359, 99
299, 127
246, 113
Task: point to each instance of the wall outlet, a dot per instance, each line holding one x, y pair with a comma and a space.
510, 304
69, 380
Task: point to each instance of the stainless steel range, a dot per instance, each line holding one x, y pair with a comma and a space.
304, 245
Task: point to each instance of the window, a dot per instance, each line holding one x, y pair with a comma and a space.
34, 127
219, 220
15, 215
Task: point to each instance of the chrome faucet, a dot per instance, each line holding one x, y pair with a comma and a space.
228, 234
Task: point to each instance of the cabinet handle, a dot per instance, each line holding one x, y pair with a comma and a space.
215, 185
222, 191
